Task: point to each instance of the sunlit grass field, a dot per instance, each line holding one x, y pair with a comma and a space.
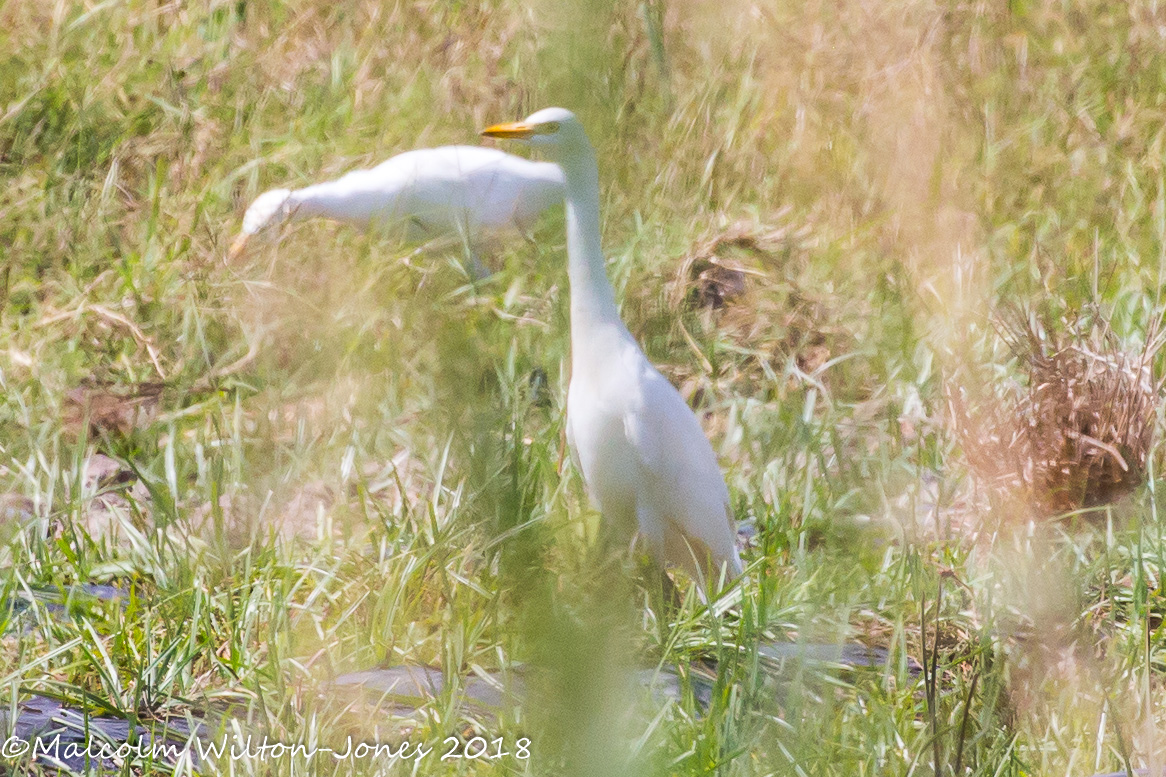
337, 453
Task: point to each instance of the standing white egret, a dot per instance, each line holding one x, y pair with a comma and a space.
459, 191
644, 457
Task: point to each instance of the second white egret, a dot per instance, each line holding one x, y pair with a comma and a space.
457, 191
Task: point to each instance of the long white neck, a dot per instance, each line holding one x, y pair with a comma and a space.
592, 299
331, 199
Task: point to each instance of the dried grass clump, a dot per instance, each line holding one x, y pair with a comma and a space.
745, 282
712, 275
1076, 432
95, 408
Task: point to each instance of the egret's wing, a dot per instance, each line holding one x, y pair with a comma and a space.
470, 188
679, 468
665, 434
430, 187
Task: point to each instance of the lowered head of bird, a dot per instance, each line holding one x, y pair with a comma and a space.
268, 209
556, 130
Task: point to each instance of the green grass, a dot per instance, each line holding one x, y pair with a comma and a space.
376, 479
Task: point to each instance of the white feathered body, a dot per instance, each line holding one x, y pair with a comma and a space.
430, 192
644, 457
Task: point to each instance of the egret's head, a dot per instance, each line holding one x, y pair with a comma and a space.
554, 129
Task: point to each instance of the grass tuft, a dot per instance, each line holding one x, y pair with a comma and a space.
1077, 432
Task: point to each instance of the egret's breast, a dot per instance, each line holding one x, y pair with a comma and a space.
607, 461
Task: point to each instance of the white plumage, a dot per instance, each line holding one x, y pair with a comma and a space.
460, 191
644, 457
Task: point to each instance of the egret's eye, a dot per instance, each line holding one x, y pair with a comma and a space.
548, 128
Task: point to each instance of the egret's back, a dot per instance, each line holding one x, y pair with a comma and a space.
460, 189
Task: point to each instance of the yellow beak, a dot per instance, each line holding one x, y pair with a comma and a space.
512, 129
237, 247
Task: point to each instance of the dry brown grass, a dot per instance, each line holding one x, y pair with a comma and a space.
1077, 433
745, 283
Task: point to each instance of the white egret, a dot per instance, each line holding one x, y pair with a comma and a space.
459, 191
642, 452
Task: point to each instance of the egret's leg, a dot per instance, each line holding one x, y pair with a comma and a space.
672, 595
527, 233
664, 598
651, 534
474, 266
